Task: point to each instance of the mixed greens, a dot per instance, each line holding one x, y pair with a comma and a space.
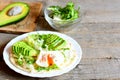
64, 13
45, 41
26, 51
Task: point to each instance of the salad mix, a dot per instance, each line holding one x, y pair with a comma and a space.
42, 52
64, 13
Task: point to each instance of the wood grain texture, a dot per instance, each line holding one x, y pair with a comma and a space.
26, 25
98, 34
94, 11
100, 60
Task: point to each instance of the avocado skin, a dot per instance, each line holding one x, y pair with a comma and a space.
13, 19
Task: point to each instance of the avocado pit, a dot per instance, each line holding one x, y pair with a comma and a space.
15, 11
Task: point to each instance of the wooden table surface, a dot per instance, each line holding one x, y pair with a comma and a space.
98, 34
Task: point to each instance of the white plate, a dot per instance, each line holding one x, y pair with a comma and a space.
47, 74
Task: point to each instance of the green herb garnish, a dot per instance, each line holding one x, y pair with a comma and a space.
66, 13
54, 66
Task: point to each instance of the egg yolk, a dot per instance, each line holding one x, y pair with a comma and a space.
50, 60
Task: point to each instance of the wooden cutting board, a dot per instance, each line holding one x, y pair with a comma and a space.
26, 25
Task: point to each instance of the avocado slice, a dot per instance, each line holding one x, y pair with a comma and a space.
24, 49
54, 42
13, 12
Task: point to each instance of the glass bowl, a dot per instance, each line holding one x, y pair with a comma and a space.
64, 25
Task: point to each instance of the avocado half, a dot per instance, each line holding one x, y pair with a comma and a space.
6, 19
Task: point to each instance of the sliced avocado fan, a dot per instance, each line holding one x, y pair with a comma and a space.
13, 12
24, 49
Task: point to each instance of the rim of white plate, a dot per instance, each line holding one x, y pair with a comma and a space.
46, 74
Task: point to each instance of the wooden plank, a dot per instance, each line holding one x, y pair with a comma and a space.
99, 36
94, 11
97, 40
3, 3
28, 24
88, 69
100, 45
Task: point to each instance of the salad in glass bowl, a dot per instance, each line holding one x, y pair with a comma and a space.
63, 18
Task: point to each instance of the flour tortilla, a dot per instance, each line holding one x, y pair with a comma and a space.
32, 70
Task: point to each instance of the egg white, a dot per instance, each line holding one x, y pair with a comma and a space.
57, 56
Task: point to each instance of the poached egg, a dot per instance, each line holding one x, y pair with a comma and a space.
48, 58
